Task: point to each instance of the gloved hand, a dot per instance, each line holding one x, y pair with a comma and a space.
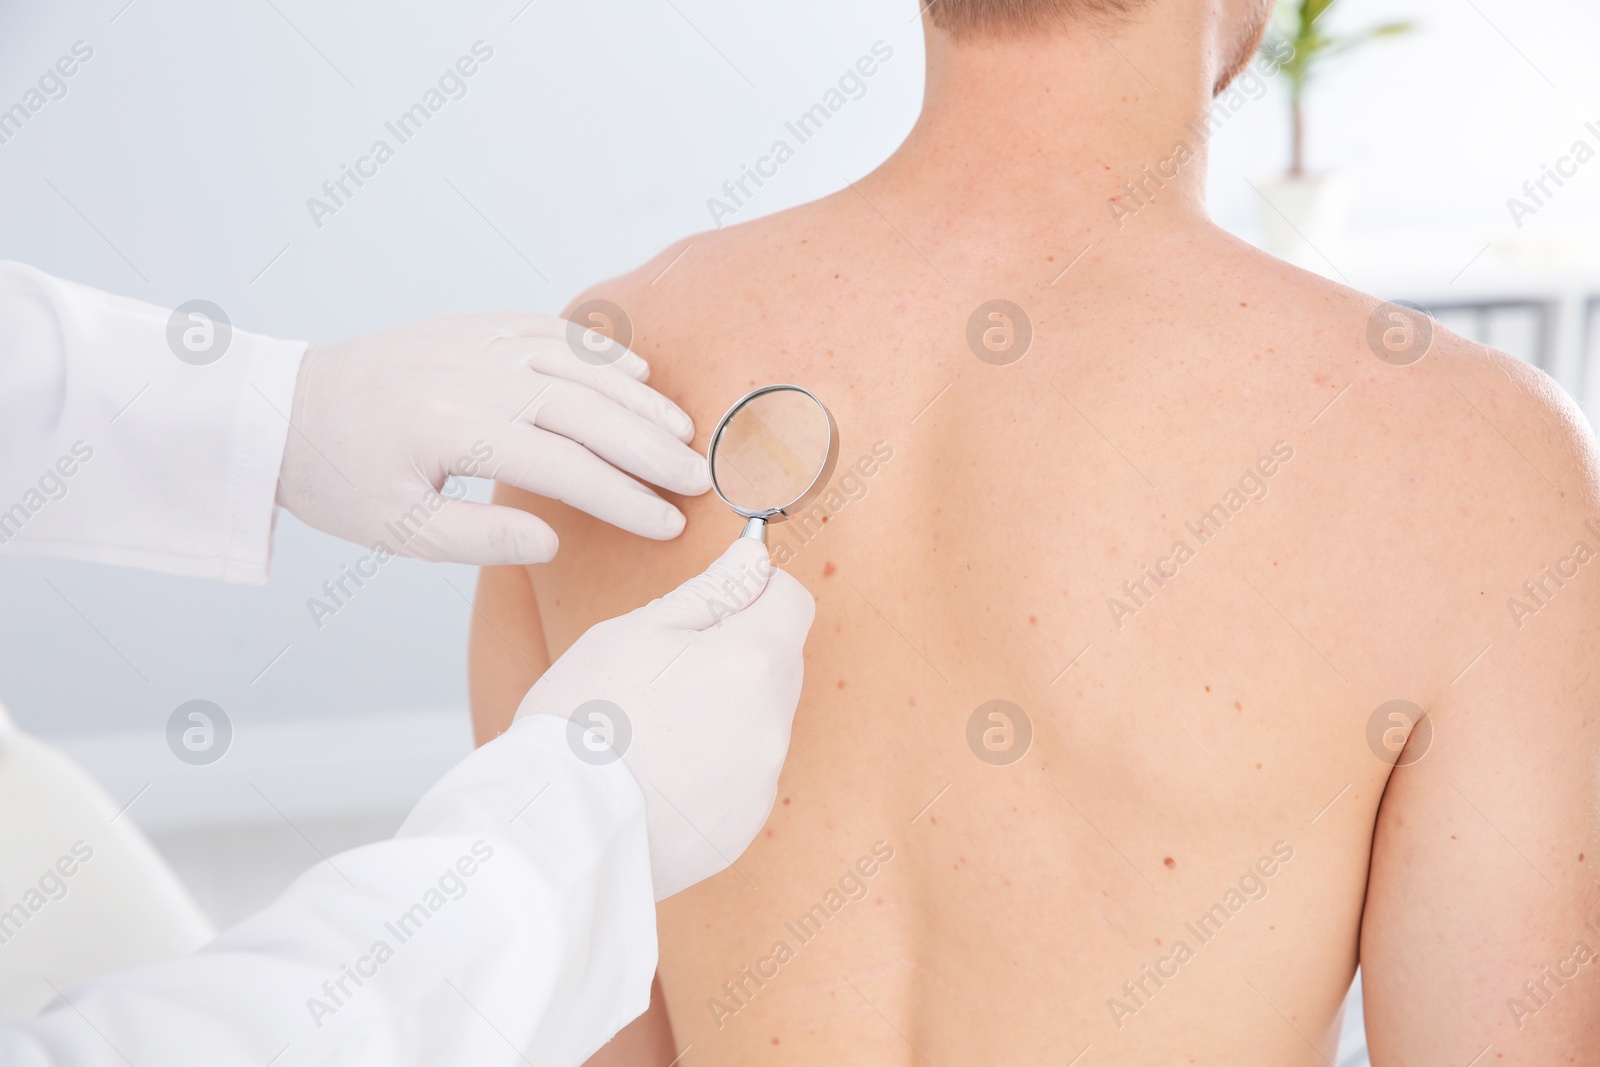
695, 693
381, 421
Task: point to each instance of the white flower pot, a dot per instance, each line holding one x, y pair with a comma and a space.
1304, 219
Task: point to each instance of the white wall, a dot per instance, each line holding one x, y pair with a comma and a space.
189, 144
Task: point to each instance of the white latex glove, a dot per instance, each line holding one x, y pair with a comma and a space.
695, 693
380, 422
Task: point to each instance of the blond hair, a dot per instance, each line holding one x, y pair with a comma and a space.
1002, 18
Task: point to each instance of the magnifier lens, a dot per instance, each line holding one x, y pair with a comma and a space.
772, 451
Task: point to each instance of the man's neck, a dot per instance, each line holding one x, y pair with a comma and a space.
1078, 121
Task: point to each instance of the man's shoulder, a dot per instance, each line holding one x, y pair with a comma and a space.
1480, 454
1533, 469
699, 272
1427, 382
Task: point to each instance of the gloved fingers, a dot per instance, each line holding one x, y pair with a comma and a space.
550, 465
781, 617
568, 333
620, 437
553, 357
480, 535
726, 588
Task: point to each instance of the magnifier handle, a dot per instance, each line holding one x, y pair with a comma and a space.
755, 529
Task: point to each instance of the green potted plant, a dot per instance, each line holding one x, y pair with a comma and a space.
1306, 212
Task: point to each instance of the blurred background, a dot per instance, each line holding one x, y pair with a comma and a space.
181, 159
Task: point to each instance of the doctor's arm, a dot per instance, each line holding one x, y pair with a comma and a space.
512, 915
115, 450
512, 918
508, 653
165, 439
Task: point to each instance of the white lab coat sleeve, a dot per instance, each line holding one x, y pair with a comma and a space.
511, 921
115, 450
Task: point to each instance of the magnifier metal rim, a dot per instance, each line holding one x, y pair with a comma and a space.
777, 514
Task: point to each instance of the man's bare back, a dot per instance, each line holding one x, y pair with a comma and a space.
1196, 539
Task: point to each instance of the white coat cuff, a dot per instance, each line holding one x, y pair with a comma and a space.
262, 436
113, 449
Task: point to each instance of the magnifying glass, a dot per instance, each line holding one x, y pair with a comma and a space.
771, 454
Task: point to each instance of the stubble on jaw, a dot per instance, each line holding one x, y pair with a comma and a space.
1245, 45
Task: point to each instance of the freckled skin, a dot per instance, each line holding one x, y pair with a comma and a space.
1219, 718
